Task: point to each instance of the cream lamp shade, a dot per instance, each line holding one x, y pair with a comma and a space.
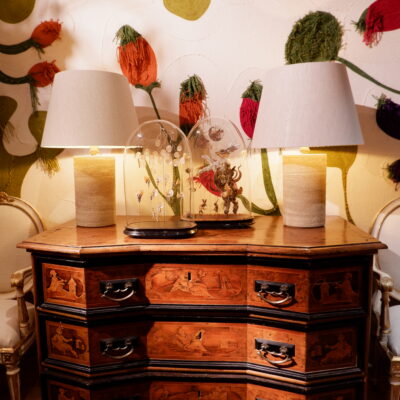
306, 104
91, 109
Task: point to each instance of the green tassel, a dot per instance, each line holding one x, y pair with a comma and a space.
191, 87
315, 37
360, 24
254, 91
127, 34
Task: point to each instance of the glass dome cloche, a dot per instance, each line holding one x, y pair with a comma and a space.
220, 175
157, 166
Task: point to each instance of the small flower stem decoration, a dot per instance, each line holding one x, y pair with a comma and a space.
192, 103
139, 65
137, 61
42, 36
248, 117
40, 75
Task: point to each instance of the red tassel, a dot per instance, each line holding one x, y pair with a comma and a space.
248, 115
43, 73
46, 33
382, 16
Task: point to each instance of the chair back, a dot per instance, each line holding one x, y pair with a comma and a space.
18, 221
386, 228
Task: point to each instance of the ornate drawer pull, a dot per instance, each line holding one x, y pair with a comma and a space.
265, 289
119, 289
283, 350
118, 348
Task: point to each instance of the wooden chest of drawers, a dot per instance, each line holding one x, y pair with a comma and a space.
263, 313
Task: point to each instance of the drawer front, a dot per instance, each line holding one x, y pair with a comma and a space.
196, 284
306, 291
152, 283
103, 345
62, 391
291, 289
300, 351
109, 286
203, 341
167, 390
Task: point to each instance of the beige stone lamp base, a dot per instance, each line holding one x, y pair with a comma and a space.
304, 188
94, 190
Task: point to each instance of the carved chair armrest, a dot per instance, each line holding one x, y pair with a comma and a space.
21, 280
385, 285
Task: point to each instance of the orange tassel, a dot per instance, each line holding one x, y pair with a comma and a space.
191, 110
138, 62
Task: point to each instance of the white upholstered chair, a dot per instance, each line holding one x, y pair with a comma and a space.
18, 220
386, 302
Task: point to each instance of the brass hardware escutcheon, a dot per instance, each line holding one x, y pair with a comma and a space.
283, 291
118, 348
119, 289
284, 351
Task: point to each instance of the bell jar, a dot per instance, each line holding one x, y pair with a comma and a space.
221, 182
157, 163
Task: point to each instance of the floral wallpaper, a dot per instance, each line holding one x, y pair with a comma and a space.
189, 59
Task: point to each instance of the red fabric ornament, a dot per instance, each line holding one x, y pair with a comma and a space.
43, 73
248, 115
382, 16
46, 33
206, 178
249, 107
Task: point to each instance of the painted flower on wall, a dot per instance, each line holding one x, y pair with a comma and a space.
40, 75
42, 36
187, 9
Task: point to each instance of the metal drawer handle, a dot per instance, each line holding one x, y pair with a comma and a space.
285, 351
285, 291
117, 348
118, 290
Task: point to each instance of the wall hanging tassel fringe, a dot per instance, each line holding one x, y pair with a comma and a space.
393, 172
192, 103
42, 36
136, 57
40, 75
318, 37
381, 16
388, 116
249, 108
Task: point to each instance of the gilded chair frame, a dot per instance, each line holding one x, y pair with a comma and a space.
385, 364
21, 283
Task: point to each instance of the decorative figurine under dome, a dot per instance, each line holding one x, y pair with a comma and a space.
157, 166
220, 175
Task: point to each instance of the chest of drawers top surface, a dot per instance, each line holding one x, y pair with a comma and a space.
267, 236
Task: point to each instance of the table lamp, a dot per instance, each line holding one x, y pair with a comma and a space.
306, 104
91, 109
